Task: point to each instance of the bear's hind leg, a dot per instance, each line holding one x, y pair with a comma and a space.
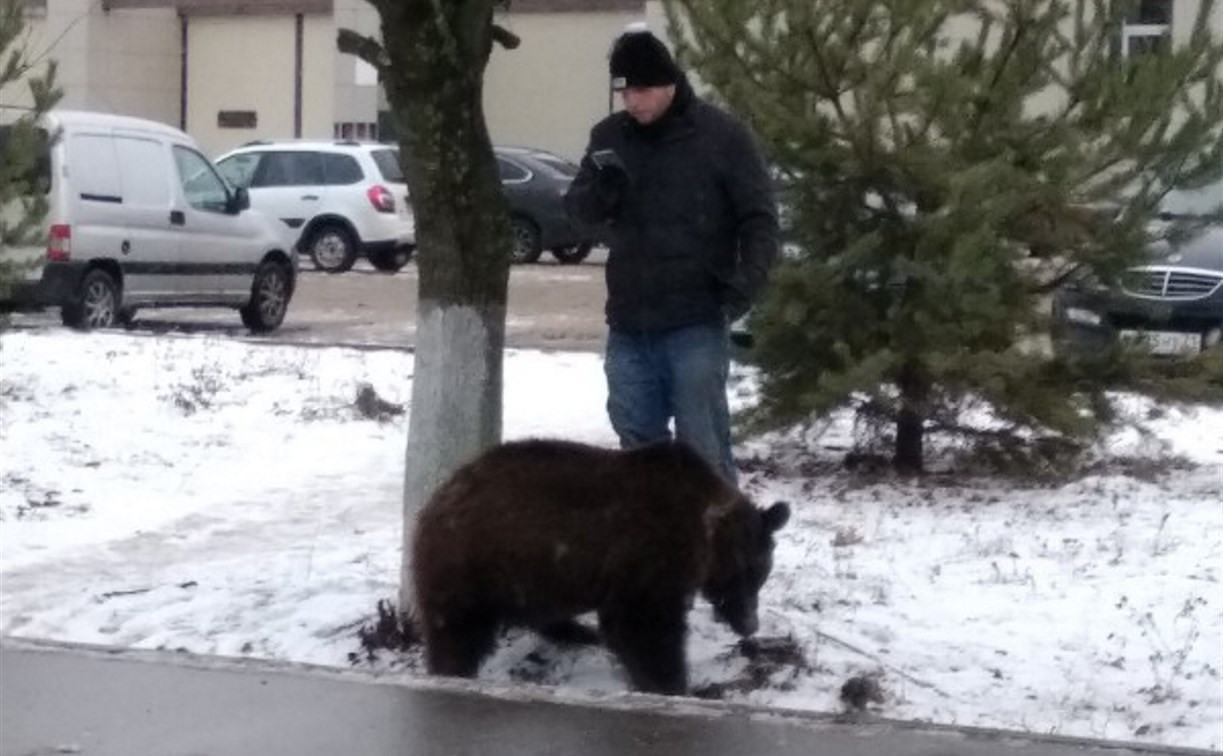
648, 639
456, 646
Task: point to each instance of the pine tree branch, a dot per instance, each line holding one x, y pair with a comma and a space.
984, 100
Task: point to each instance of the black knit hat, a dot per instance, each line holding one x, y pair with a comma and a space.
639, 59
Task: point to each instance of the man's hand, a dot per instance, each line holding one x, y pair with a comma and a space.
611, 181
597, 194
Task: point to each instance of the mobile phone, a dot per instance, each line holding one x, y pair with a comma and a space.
605, 158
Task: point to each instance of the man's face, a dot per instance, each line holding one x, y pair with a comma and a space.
647, 104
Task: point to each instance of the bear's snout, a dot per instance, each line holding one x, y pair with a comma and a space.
739, 614
746, 626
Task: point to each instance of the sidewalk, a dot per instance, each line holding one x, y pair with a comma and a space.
56, 699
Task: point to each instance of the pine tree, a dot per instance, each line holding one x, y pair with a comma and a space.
946, 165
23, 202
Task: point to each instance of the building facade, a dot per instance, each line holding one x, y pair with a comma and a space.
232, 71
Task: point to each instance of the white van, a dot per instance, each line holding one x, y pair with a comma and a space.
140, 218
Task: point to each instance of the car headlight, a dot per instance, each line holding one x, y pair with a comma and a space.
1085, 317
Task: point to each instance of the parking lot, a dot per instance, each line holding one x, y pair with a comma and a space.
551, 306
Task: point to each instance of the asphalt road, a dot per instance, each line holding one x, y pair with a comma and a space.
551, 306
56, 700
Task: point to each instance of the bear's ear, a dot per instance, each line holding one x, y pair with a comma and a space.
776, 516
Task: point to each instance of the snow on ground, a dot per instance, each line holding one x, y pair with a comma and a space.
222, 497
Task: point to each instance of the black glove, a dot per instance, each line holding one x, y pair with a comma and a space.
611, 180
610, 186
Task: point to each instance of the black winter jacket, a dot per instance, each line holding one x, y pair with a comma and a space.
693, 234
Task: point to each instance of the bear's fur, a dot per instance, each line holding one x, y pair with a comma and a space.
533, 533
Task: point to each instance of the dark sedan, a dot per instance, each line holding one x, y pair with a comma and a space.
1173, 304
534, 183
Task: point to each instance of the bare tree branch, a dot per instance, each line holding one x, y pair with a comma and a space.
366, 48
506, 38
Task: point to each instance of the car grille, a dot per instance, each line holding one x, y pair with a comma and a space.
1171, 283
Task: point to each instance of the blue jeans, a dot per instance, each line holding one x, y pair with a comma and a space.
680, 374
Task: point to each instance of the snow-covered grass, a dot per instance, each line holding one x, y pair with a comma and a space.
226, 498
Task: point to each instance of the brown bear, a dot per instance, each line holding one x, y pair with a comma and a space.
534, 533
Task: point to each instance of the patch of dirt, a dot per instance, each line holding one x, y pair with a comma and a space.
390, 631
862, 690
772, 662
373, 407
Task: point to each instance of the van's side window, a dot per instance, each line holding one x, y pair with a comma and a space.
202, 187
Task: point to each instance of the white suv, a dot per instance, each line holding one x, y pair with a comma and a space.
339, 200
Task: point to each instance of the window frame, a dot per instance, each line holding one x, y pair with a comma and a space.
1136, 29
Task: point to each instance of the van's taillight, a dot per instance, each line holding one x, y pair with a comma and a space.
381, 198
59, 242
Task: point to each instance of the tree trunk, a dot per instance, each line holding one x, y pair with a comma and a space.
436, 56
907, 457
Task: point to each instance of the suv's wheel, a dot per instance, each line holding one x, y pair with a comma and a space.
392, 260
572, 255
527, 247
96, 304
332, 248
269, 298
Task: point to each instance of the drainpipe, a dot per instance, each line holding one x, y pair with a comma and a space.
182, 82
299, 34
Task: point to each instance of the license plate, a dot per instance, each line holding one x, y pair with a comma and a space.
1166, 342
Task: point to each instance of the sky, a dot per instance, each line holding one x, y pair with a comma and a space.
224, 497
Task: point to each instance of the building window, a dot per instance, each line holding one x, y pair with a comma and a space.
361, 131
1153, 12
34, 8
1148, 29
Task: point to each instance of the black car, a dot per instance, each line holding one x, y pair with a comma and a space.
1173, 303
534, 183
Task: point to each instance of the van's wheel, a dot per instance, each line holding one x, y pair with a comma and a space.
391, 261
332, 248
96, 304
572, 255
527, 247
269, 301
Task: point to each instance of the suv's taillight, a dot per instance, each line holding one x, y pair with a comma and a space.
59, 243
381, 198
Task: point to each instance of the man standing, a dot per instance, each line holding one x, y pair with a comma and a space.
692, 228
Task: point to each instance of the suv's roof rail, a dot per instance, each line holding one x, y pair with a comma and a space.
255, 142
347, 143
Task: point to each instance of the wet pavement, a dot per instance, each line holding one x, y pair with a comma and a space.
549, 307
56, 699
